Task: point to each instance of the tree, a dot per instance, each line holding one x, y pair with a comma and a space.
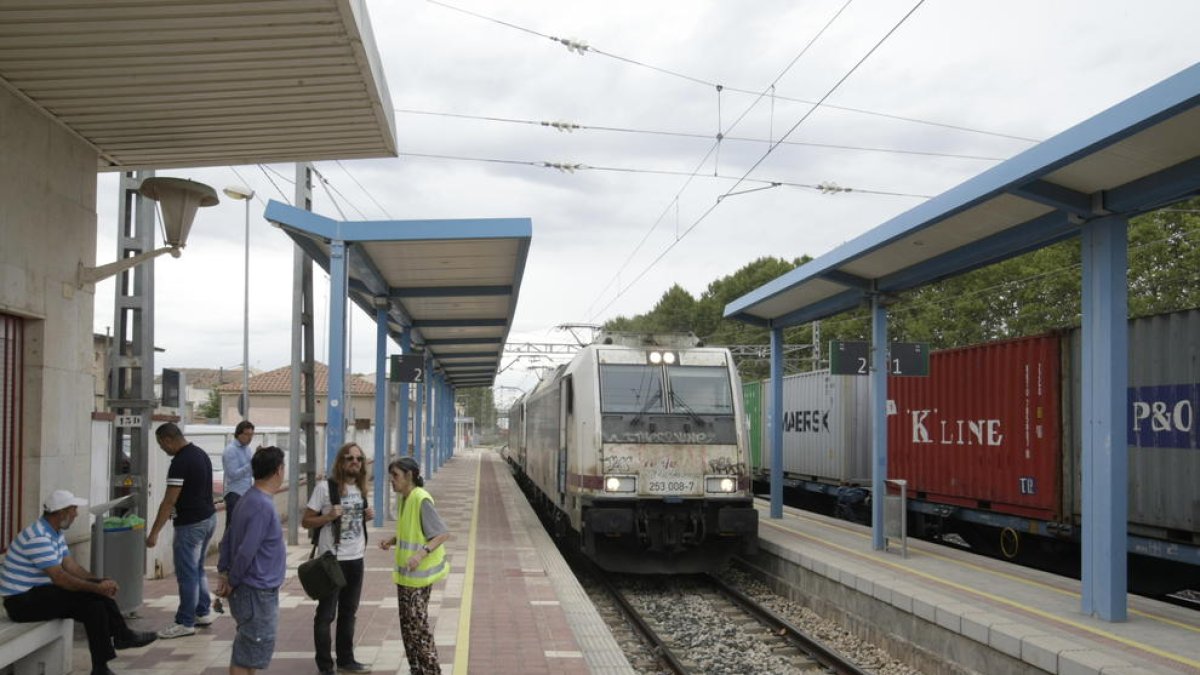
211, 408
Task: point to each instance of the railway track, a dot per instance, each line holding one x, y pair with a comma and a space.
700, 624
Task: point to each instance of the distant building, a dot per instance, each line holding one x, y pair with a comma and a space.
198, 384
271, 398
101, 347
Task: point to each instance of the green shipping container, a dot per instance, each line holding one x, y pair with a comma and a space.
752, 400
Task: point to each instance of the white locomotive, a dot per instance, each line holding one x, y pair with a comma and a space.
638, 447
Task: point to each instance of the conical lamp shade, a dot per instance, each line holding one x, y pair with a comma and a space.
179, 198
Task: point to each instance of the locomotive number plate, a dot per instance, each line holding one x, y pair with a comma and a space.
671, 486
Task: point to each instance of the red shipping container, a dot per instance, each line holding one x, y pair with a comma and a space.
982, 430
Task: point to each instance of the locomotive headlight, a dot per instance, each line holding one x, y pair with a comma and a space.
723, 484
620, 484
656, 358
668, 358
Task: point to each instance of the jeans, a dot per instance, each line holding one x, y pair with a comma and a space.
256, 611
230, 502
191, 544
343, 604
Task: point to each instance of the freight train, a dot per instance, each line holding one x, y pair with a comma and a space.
637, 451
989, 444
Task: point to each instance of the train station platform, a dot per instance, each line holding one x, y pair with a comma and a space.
942, 604
510, 604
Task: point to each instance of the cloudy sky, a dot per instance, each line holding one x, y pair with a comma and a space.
913, 102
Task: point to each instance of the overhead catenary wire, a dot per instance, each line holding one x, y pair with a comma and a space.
581, 48
666, 209
365, 191
328, 185
569, 167
571, 126
273, 184
703, 216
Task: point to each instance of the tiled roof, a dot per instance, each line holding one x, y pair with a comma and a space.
279, 381
209, 378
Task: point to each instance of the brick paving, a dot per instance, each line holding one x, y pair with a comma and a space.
527, 615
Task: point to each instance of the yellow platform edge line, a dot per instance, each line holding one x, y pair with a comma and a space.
462, 644
1048, 616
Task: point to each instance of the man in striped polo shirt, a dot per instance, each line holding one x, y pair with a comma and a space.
40, 580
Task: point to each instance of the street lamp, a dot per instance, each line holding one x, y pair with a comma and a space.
245, 194
178, 198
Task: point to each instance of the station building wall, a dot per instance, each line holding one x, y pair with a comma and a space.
47, 227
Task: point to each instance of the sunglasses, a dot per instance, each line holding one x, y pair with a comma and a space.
353, 458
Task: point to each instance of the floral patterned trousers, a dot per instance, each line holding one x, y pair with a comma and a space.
414, 628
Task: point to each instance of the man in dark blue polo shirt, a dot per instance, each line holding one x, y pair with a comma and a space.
189, 493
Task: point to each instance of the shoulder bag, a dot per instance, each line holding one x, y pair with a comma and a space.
321, 575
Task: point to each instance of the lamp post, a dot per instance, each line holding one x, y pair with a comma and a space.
245, 194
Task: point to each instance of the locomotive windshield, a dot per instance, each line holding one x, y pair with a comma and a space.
648, 403
631, 389
701, 390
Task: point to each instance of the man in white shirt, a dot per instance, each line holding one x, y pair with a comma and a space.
343, 531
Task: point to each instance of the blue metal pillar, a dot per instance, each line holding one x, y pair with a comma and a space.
441, 449
429, 408
418, 411
403, 446
878, 416
1105, 455
451, 413
335, 428
381, 426
775, 422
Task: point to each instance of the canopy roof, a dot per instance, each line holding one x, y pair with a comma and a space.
455, 283
175, 83
1139, 155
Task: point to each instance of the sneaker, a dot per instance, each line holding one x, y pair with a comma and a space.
136, 638
175, 630
354, 667
206, 620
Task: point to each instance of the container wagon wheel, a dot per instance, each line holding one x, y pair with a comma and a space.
1010, 543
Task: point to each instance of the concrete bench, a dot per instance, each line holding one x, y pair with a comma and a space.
36, 648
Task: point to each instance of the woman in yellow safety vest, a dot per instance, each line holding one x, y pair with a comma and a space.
420, 562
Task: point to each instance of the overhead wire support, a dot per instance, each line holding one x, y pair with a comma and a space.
580, 47
766, 154
573, 126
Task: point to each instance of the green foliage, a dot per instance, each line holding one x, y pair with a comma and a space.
479, 404
211, 408
1026, 295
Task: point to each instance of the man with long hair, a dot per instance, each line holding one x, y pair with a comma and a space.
340, 507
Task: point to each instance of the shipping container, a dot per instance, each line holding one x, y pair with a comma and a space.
982, 430
1164, 445
752, 403
825, 427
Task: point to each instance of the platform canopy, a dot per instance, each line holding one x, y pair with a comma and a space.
178, 83
1134, 157
453, 284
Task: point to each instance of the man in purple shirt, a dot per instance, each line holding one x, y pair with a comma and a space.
252, 564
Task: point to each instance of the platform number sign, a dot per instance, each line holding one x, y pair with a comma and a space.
849, 358
854, 358
408, 368
909, 359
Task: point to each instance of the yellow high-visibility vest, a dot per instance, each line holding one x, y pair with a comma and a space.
410, 539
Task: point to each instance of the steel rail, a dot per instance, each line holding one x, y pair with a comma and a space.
817, 651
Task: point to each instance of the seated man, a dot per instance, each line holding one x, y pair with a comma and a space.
40, 580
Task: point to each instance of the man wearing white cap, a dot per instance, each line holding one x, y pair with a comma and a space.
40, 580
